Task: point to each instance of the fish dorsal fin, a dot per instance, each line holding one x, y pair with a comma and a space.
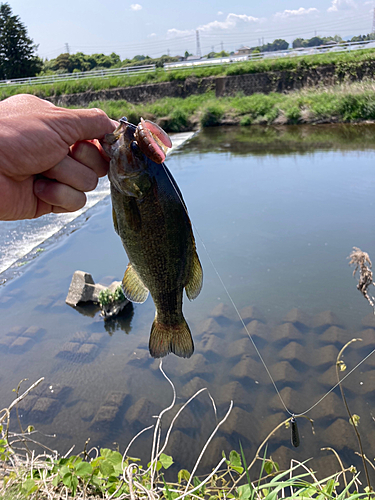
194, 284
133, 287
114, 217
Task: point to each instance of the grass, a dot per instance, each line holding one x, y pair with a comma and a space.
346, 63
108, 474
345, 103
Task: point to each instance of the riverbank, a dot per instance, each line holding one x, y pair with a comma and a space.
344, 103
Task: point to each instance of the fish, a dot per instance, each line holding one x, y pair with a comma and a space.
151, 218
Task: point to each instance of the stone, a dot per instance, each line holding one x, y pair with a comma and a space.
192, 387
57, 391
283, 456
290, 397
334, 335
87, 352
97, 338
340, 435
5, 343
68, 350
324, 356
325, 467
83, 289
331, 407
294, 352
26, 405
185, 421
284, 372
240, 347
105, 416
45, 409
251, 313
115, 398
250, 370
324, 320
87, 411
298, 318
16, 331
34, 332
215, 451
210, 327
285, 333
21, 344
196, 365
235, 392
270, 423
212, 346
140, 357
368, 339
369, 321
241, 422
142, 412
80, 337
224, 314
181, 447
258, 332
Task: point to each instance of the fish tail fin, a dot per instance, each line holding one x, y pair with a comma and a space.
170, 338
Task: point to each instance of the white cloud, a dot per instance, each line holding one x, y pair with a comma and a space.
174, 33
299, 12
341, 5
231, 21
136, 6
151, 35
219, 13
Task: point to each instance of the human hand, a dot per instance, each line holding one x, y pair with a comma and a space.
49, 156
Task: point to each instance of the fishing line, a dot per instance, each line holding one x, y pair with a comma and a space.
292, 414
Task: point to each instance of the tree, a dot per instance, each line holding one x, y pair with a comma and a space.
17, 50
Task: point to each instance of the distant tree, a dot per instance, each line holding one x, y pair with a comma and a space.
17, 50
139, 58
298, 43
315, 41
187, 54
278, 44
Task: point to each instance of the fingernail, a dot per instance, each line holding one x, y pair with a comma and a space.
115, 123
39, 186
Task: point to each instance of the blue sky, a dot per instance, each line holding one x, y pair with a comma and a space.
156, 27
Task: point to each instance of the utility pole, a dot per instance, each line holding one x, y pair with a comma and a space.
168, 52
222, 46
67, 48
199, 53
373, 22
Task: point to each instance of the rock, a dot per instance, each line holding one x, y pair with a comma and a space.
116, 398
87, 352
196, 365
324, 356
209, 327
26, 405
241, 422
369, 321
235, 392
250, 370
68, 350
141, 413
283, 334
331, 407
251, 313
83, 289
97, 338
16, 331
290, 397
258, 332
298, 318
87, 411
340, 435
80, 337
105, 416
224, 314
270, 423
5, 343
140, 357
335, 335
324, 320
294, 352
21, 344
186, 421
192, 387
45, 410
181, 447
34, 332
215, 452
283, 456
284, 372
240, 347
212, 347
325, 467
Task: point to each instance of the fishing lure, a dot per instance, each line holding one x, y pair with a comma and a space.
295, 435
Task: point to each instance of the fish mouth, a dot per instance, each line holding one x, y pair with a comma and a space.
152, 140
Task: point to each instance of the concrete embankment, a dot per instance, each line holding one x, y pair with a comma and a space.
247, 84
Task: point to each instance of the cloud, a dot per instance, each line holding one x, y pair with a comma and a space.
136, 6
299, 12
231, 21
219, 13
341, 5
151, 35
174, 33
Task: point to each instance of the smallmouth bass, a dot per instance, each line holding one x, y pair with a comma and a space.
151, 218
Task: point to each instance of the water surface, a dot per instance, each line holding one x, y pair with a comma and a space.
279, 210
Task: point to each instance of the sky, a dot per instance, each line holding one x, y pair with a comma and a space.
160, 27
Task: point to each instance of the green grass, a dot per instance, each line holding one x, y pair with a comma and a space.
346, 103
345, 63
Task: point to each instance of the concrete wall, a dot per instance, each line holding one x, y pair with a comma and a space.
273, 81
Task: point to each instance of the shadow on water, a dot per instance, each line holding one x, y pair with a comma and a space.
278, 225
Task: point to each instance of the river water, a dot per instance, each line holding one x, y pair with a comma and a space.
276, 211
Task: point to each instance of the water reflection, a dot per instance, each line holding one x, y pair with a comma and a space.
279, 225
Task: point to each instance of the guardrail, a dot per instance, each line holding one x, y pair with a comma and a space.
136, 70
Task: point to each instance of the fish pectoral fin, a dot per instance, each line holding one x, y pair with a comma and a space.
114, 217
170, 338
195, 282
133, 287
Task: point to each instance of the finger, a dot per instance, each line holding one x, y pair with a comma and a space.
59, 195
81, 124
88, 154
74, 174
